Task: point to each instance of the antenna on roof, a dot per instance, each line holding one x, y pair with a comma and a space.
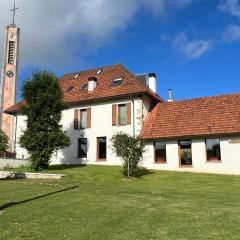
170, 95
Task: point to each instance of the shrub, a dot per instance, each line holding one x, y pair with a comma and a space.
3, 142
130, 150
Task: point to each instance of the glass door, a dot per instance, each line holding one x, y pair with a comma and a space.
185, 152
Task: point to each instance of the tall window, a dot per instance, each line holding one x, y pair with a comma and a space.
122, 114
101, 148
82, 147
160, 152
185, 148
213, 149
83, 118
11, 52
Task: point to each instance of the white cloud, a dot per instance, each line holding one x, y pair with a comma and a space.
191, 49
231, 7
232, 34
53, 32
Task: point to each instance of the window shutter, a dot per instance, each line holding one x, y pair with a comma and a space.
75, 119
129, 113
114, 114
89, 118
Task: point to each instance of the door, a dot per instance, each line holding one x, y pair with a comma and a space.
101, 148
185, 152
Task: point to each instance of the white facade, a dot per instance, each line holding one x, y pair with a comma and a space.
101, 126
229, 164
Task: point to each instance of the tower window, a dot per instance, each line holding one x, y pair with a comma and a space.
11, 52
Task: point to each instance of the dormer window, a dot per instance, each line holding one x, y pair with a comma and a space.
99, 71
76, 76
69, 89
83, 86
117, 82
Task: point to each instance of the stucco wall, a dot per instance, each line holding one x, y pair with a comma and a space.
230, 157
101, 126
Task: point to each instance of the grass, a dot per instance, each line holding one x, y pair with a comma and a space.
95, 202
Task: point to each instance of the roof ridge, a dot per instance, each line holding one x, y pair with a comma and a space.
202, 98
92, 69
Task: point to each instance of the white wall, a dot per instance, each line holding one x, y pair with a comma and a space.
230, 157
101, 126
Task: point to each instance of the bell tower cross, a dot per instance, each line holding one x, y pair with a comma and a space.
8, 80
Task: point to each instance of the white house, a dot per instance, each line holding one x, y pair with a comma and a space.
200, 135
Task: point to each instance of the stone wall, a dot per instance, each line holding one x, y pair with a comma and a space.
12, 163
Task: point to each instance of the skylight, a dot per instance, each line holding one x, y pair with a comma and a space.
99, 71
69, 89
117, 81
76, 76
83, 87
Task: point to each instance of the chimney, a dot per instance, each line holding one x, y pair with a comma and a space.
92, 83
170, 96
152, 82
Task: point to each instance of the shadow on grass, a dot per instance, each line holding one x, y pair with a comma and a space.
63, 167
143, 172
8, 205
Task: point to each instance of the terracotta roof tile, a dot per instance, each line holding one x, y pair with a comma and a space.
72, 87
195, 117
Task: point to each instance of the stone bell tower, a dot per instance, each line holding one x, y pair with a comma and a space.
8, 81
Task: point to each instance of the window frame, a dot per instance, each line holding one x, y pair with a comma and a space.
98, 148
213, 159
79, 149
117, 82
81, 118
155, 152
180, 154
119, 116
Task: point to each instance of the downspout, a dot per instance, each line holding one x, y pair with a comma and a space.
133, 104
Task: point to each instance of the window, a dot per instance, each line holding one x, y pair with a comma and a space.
76, 76
99, 72
160, 152
83, 118
117, 82
101, 148
213, 149
11, 52
69, 89
83, 86
82, 147
122, 114
185, 152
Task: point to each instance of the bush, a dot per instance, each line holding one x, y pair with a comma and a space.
130, 151
3, 142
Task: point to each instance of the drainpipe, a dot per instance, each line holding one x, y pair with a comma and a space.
133, 104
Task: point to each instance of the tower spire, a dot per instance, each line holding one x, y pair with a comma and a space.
13, 10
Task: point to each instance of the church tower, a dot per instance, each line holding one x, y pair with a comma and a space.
8, 81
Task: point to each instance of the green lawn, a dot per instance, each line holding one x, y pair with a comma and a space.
159, 205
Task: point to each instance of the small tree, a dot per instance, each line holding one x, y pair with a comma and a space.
3, 142
44, 104
130, 151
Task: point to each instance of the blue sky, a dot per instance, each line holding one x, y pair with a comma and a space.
192, 45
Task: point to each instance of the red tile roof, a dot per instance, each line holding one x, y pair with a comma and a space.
195, 117
130, 85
